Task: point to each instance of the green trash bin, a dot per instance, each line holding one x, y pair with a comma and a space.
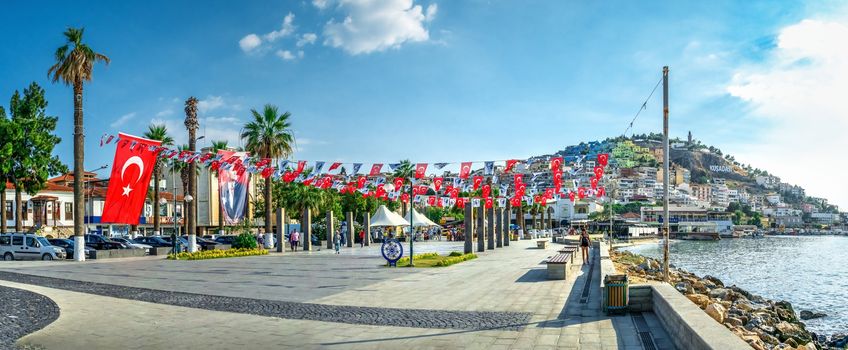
615, 294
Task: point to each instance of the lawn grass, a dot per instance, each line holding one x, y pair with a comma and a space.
436, 260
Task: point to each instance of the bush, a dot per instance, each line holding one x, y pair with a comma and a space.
215, 254
405, 260
245, 241
456, 259
455, 254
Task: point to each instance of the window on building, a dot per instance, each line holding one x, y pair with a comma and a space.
10, 210
69, 211
26, 209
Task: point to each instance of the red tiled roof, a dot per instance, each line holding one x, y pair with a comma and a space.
49, 186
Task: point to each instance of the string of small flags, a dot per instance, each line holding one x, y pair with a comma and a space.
424, 190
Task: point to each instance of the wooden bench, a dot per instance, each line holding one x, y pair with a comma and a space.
558, 266
542, 244
571, 250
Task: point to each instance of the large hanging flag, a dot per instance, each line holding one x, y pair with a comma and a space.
420, 169
465, 170
128, 184
556, 163
233, 189
437, 183
510, 164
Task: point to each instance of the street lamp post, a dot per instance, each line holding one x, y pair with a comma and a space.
85, 198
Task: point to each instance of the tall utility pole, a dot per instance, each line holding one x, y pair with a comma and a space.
666, 218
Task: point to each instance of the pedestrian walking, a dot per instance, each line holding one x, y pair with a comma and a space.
361, 238
584, 245
260, 240
295, 237
337, 242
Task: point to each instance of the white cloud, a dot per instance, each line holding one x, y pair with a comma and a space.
799, 92
213, 128
286, 30
250, 42
210, 103
371, 26
285, 54
306, 39
164, 113
122, 120
431, 12
321, 4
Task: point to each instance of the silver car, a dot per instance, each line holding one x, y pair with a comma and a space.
28, 246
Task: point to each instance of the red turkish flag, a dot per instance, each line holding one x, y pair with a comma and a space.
420, 169
603, 159
599, 172
510, 164
335, 166
594, 183
437, 183
398, 182
431, 201
487, 190
601, 192
519, 178
375, 169
360, 182
128, 184
489, 203
404, 197
581, 192
464, 170
571, 196
556, 163
515, 201
460, 202
478, 180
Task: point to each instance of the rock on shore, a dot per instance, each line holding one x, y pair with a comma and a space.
762, 323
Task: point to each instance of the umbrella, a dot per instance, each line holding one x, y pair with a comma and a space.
385, 217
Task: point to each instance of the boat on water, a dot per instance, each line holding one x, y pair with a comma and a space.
698, 231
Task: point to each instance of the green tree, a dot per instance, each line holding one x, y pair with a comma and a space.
32, 156
157, 132
269, 136
405, 171
7, 133
219, 146
74, 66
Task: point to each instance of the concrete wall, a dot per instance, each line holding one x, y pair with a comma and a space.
118, 253
640, 298
688, 325
160, 250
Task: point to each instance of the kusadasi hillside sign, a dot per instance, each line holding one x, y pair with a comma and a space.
721, 169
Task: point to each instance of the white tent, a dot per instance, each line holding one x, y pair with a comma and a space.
419, 220
385, 217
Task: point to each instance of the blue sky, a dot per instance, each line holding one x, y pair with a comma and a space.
427, 80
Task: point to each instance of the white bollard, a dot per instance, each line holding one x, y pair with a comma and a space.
79, 248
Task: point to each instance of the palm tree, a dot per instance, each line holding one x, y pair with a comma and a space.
74, 65
269, 135
218, 146
405, 171
159, 133
180, 167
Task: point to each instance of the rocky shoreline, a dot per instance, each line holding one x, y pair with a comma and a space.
762, 323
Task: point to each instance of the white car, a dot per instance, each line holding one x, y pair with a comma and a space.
28, 246
131, 244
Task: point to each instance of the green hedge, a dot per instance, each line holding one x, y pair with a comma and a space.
216, 254
456, 259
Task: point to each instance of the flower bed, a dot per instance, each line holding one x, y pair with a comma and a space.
216, 254
436, 260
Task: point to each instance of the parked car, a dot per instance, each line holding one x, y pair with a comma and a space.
68, 245
203, 242
153, 241
182, 243
99, 242
131, 244
28, 246
226, 239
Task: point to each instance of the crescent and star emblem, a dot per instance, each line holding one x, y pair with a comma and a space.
134, 160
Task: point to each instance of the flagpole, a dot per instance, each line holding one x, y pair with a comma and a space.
411, 226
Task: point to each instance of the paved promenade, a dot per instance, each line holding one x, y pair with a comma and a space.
322, 300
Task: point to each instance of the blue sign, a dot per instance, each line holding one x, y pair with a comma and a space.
392, 251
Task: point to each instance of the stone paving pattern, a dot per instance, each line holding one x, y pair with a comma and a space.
23, 312
505, 280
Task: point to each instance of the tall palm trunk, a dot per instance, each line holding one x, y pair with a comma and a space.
184, 179
3, 209
19, 224
79, 150
268, 205
220, 214
156, 216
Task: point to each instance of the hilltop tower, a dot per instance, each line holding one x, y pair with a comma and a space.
689, 142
